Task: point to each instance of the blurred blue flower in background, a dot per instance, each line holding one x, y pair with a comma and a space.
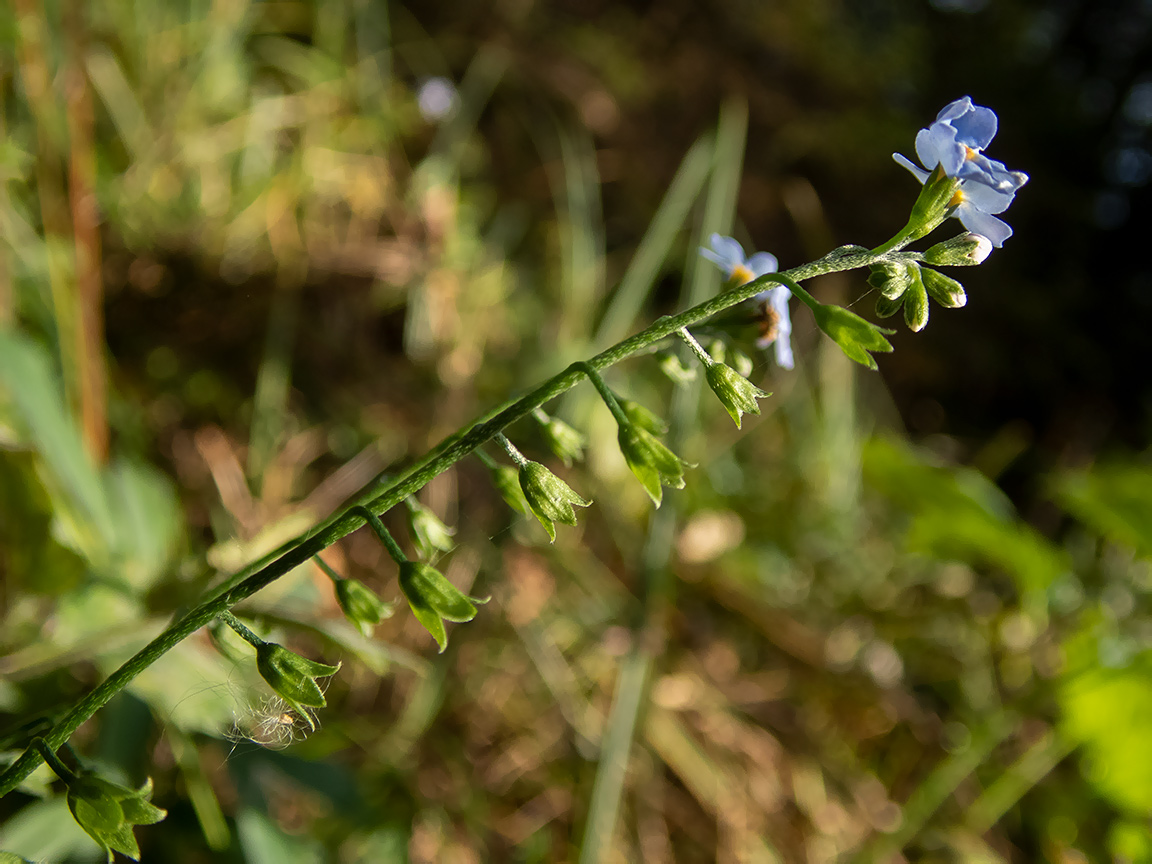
728, 255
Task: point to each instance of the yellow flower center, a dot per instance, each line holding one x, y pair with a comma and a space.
741, 274
970, 154
957, 199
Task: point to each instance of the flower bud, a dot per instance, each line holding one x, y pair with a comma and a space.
507, 482
886, 308
736, 393
550, 498
944, 290
435, 600
293, 677
916, 306
361, 605
429, 534
651, 462
964, 250
563, 440
107, 811
892, 278
640, 416
855, 336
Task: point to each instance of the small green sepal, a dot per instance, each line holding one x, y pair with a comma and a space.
736, 393
435, 600
653, 464
944, 289
891, 278
640, 416
429, 535
361, 605
855, 336
933, 204
964, 250
506, 479
293, 677
549, 497
107, 811
567, 443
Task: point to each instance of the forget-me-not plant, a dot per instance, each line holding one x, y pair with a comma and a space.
954, 143
727, 254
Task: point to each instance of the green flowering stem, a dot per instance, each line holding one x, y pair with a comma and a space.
242, 631
332, 574
59, 768
379, 499
605, 393
513, 453
697, 349
373, 521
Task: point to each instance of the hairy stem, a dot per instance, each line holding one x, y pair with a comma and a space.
376, 500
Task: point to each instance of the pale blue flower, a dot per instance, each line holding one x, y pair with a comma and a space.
728, 255
954, 142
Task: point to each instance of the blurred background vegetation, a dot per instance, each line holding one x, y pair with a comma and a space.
252, 254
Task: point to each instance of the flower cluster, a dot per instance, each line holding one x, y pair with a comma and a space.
954, 144
728, 255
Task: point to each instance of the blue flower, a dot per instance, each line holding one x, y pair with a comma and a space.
954, 142
728, 255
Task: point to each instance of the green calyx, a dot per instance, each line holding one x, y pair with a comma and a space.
641, 417
550, 498
108, 811
855, 336
933, 204
653, 464
435, 600
361, 606
736, 393
567, 443
507, 482
429, 535
293, 677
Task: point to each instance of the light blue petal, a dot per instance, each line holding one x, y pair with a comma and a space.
976, 128
919, 173
986, 199
727, 248
954, 109
937, 145
996, 230
762, 262
992, 173
779, 300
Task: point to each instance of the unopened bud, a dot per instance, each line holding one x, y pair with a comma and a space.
892, 278
965, 250
943, 289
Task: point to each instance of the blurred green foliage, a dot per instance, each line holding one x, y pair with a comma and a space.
253, 253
